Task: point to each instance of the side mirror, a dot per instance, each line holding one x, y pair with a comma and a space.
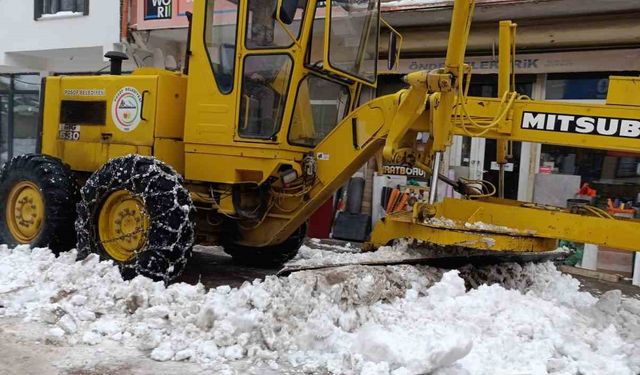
395, 45
393, 51
286, 11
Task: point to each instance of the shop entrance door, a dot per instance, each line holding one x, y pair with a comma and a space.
476, 158
4, 128
19, 114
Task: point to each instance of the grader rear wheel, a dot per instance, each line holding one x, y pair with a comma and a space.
39, 195
136, 212
25, 211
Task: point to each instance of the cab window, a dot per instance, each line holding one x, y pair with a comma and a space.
263, 31
320, 105
220, 41
353, 37
265, 82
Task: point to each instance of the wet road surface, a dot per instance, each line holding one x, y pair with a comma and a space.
213, 267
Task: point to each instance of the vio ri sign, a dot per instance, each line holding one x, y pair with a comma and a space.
158, 9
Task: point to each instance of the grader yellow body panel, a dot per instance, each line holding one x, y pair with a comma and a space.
90, 120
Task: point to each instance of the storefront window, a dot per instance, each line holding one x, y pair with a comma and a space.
486, 85
19, 114
568, 87
25, 123
5, 83
613, 174
4, 128
27, 82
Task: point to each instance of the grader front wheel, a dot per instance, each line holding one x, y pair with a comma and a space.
135, 211
122, 225
38, 195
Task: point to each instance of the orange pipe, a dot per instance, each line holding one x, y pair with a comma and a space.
392, 200
403, 202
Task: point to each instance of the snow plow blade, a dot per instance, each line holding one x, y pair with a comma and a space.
515, 227
445, 232
441, 257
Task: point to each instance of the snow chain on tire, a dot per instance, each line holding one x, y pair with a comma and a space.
170, 235
59, 193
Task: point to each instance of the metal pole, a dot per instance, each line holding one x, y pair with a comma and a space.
504, 83
501, 181
434, 177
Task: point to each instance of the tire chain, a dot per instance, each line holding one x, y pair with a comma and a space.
166, 254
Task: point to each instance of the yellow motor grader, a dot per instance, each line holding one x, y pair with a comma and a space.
265, 123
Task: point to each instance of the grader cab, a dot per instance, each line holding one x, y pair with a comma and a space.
263, 125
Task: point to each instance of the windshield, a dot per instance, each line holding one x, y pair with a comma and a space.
353, 38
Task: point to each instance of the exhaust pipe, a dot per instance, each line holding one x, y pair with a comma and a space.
116, 58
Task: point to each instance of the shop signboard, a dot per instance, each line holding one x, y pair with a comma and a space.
558, 62
411, 173
546, 170
172, 14
158, 9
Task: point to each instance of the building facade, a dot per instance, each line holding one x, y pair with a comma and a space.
44, 37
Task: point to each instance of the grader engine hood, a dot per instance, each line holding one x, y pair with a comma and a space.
89, 120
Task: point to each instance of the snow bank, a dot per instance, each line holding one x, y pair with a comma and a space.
324, 254
414, 3
319, 254
351, 320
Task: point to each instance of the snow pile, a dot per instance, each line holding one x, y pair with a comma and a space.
351, 320
441, 222
386, 4
318, 254
323, 255
479, 225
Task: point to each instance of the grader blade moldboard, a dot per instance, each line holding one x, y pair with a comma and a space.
456, 234
447, 257
514, 226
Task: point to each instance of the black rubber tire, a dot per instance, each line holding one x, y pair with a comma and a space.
269, 256
59, 192
170, 235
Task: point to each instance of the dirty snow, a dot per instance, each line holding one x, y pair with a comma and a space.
322, 254
386, 4
480, 226
477, 226
319, 254
394, 320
